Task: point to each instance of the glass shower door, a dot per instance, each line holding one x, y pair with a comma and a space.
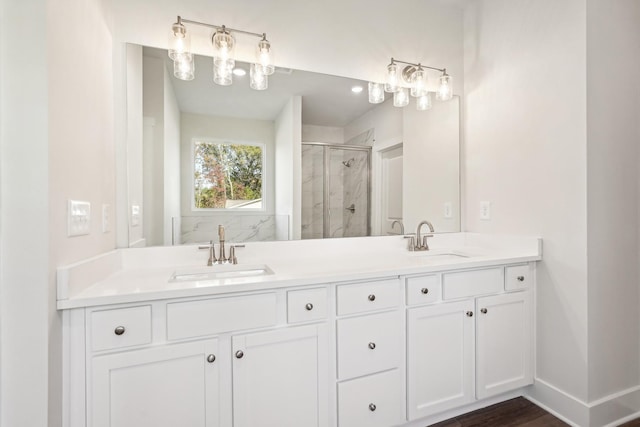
347, 201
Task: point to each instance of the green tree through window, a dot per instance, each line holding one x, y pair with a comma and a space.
227, 175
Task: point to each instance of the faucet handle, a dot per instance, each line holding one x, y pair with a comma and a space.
232, 253
425, 244
412, 242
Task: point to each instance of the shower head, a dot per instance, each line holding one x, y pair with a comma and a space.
349, 162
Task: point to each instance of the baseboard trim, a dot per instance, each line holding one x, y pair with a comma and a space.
608, 411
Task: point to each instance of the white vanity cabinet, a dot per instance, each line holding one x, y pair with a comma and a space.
471, 347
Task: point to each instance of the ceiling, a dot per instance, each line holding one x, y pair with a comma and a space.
326, 100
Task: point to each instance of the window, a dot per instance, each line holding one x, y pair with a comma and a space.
227, 175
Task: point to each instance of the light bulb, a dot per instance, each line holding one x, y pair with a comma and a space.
179, 40
419, 82
183, 67
264, 57
401, 97
222, 74
424, 102
376, 93
392, 82
258, 79
445, 90
224, 45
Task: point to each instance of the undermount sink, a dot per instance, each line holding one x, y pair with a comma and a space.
216, 272
439, 255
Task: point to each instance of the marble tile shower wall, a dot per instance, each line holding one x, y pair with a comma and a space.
312, 192
356, 194
238, 228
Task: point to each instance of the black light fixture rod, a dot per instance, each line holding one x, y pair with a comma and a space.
442, 70
220, 27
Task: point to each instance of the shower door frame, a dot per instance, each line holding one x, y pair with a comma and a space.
327, 146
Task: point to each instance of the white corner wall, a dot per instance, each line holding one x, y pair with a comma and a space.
613, 108
525, 112
171, 162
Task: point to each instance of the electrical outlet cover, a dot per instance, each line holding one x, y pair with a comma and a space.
106, 220
485, 210
135, 215
448, 210
78, 218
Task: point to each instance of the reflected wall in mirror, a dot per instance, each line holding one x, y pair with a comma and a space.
332, 164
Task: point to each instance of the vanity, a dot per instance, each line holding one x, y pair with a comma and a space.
334, 332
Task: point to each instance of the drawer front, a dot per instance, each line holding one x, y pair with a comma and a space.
423, 289
213, 316
306, 305
369, 344
518, 277
363, 297
471, 283
373, 401
122, 327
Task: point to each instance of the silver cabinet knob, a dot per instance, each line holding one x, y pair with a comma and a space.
119, 330
239, 354
520, 278
469, 313
211, 358
372, 345
372, 407
483, 310
372, 297
309, 306
424, 291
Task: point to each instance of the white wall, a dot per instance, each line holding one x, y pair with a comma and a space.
525, 152
171, 161
133, 186
25, 291
330, 134
613, 108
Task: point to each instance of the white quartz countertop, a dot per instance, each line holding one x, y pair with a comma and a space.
133, 275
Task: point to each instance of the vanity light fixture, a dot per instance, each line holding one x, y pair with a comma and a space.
223, 43
411, 79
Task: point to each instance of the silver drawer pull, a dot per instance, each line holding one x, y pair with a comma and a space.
520, 278
309, 306
424, 291
372, 345
372, 297
372, 407
469, 313
239, 354
119, 330
483, 310
211, 358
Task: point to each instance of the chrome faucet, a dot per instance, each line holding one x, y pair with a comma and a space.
399, 222
421, 244
212, 250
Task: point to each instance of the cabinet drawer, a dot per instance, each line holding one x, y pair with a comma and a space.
369, 344
306, 305
518, 277
373, 401
362, 297
470, 283
122, 327
423, 289
217, 315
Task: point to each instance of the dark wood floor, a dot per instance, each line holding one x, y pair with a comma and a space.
514, 412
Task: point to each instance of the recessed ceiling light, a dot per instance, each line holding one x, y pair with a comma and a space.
239, 72
356, 89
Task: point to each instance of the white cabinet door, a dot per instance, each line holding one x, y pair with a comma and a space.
504, 343
280, 378
440, 358
167, 386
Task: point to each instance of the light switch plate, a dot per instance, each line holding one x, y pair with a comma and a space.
447, 210
78, 218
106, 218
485, 211
135, 215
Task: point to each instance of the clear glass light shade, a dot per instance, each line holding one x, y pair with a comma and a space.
401, 97
424, 102
445, 89
393, 78
222, 74
258, 79
376, 93
179, 41
264, 57
184, 67
223, 49
419, 83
